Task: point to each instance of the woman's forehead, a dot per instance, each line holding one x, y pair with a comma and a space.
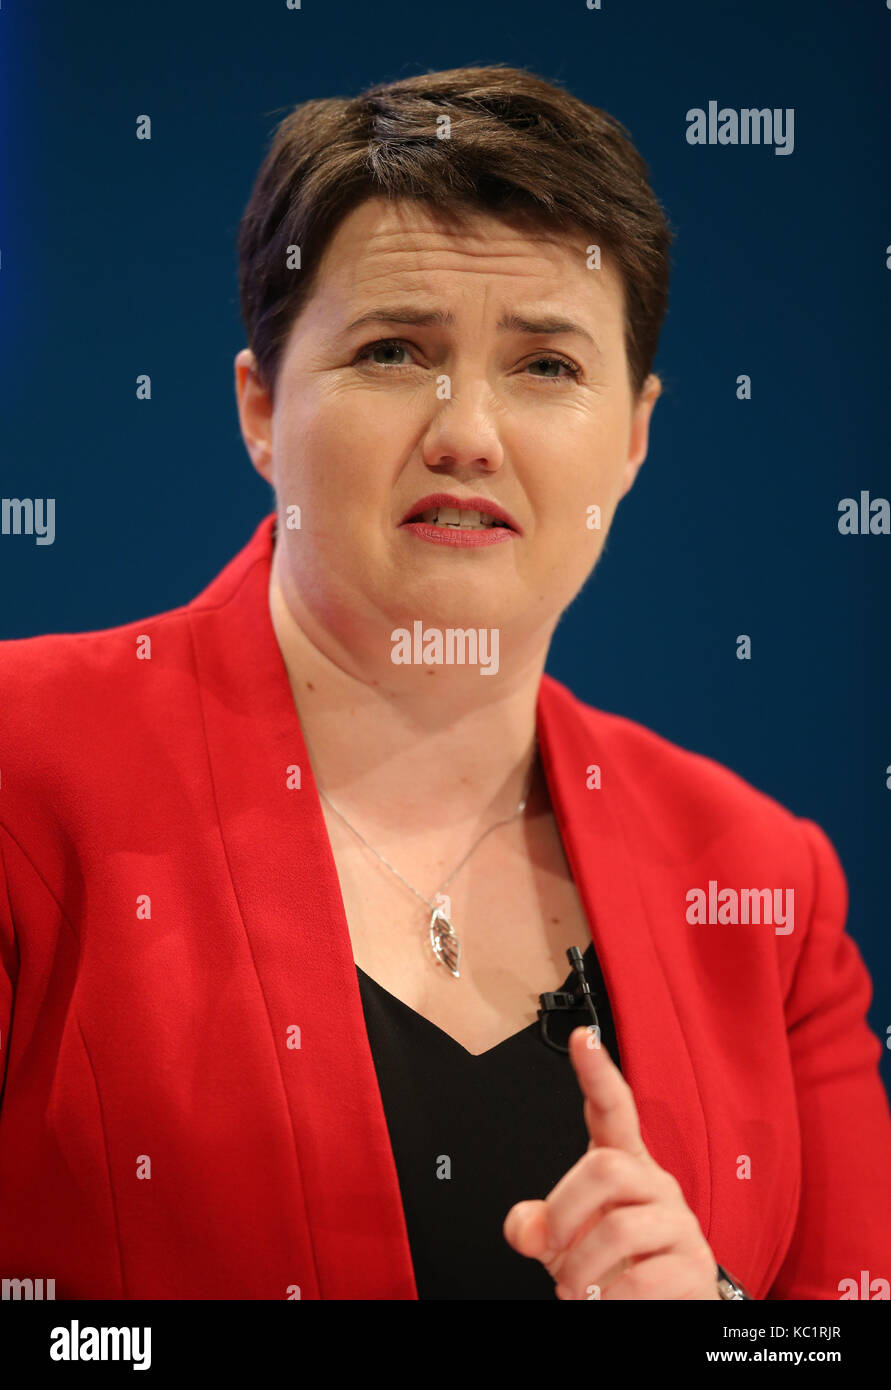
404, 259
408, 231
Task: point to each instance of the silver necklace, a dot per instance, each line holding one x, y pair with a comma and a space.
444, 940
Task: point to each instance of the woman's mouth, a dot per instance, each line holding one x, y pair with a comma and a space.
458, 528
457, 519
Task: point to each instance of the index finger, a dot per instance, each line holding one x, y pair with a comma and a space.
610, 1113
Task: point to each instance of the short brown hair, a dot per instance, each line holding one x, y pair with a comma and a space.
519, 147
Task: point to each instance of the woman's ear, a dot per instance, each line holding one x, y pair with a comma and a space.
640, 430
254, 413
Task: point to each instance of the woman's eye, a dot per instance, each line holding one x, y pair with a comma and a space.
555, 362
386, 346
383, 353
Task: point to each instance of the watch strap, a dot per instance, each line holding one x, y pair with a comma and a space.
730, 1287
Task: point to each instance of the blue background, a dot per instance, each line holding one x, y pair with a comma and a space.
118, 257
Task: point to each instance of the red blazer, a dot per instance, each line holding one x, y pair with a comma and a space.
170, 917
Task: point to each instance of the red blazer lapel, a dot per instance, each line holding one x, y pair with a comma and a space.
285, 881
606, 867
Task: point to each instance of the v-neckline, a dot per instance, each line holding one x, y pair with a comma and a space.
422, 1018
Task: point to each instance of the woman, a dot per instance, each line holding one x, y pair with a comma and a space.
287, 869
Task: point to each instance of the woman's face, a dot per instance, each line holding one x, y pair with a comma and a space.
515, 389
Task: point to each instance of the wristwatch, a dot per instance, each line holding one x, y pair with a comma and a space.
729, 1287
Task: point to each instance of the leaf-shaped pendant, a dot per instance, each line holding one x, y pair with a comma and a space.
445, 943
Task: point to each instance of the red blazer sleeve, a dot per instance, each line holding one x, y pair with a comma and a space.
8, 963
843, 1226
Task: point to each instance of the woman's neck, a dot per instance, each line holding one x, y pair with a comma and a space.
440, 747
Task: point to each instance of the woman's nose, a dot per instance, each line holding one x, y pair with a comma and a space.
464, 429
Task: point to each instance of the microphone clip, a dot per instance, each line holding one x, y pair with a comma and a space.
554, 1003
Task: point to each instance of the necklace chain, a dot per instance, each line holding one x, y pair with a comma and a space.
444, 940
430, 902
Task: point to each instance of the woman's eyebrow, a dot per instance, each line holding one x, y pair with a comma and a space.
549, 324
439, 318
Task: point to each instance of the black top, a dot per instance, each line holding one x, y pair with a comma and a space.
473, 1135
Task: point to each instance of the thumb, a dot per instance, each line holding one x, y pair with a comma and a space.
526, 1229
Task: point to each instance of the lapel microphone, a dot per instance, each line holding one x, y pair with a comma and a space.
557, 1002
